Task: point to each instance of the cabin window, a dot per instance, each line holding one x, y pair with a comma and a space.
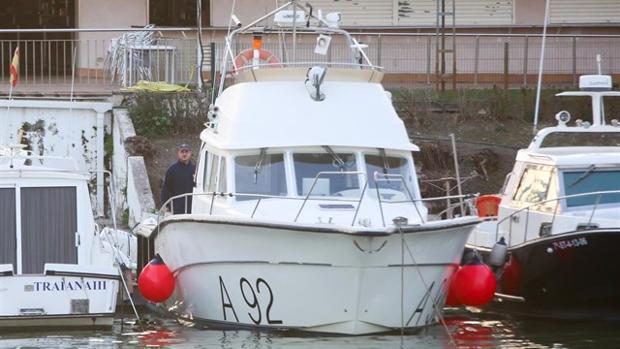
310, 169
534, 184
392, 186
214, 161
204, 161
261, 174
591, 180
8, 226
221, 180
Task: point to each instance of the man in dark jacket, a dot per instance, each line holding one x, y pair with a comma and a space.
179, 180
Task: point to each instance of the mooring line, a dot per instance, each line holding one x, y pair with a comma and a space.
397, 221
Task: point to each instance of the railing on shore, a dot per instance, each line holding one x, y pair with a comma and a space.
509, 60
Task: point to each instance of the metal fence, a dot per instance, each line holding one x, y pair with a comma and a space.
484, 59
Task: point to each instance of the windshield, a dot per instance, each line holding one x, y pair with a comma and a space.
260, 174
589, 180
391, 187
308, 166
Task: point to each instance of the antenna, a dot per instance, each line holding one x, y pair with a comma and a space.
540, 66
200, 46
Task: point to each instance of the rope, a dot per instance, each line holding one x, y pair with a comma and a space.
397, 222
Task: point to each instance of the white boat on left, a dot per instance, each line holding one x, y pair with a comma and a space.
57, 267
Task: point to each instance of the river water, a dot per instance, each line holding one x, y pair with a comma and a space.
467, 330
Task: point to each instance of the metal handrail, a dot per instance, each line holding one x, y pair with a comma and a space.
557, 201
316, 178
402, 178
306, 64
354, 47
260, 197
300, 31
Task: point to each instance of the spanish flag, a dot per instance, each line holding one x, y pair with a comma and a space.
14, 68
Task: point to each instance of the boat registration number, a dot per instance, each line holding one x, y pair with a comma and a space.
564, 244
249, 293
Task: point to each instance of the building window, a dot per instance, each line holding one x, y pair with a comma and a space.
177, 13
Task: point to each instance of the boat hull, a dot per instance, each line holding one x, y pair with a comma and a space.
279, 277
570, 275
57, 301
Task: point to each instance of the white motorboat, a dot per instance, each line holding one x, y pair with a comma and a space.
306, 213
559, 215
57, 268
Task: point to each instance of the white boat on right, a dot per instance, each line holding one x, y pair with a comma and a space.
558, 216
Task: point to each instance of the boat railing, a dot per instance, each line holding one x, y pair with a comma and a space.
167, 207
309, 64
358, 56
512, 217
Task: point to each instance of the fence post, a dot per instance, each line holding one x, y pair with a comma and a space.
428, 60
525, 62
379, 48
506, 77
212, 62
574, 60
476, 58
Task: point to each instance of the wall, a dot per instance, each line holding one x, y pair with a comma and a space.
245, 10
105, 14
61, 128
122, 128
529, 12
140, 201
133, 191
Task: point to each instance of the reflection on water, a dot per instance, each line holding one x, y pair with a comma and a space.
468, 330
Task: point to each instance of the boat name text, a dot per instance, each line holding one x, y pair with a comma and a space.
44, 286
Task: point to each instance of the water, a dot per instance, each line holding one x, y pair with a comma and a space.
469, 330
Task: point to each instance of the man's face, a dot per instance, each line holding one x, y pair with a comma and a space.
184, 155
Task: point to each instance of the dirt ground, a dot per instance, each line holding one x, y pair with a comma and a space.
165, 149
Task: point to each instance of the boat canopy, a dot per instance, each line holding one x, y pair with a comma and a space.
262, 114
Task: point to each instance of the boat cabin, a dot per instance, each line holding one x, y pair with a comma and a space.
568, 179
45, 215
269, 140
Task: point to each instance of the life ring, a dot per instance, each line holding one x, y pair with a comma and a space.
246, 56
488, 205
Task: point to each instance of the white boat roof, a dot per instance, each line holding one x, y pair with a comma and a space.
281, 113
571, 156
34, 166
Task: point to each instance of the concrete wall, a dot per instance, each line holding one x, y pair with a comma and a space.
74, 129
529, 12
245, 10
122, 128
133, 191
140, 201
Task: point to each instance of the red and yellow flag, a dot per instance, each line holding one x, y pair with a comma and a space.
14, 68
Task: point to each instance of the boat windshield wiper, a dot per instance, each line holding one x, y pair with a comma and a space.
585, 175
259, 164
335, 156
386, 164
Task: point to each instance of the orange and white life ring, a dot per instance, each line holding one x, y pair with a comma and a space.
246, 56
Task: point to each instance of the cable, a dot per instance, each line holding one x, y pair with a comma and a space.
433, 299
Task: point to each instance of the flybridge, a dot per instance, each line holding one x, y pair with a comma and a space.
599, 132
